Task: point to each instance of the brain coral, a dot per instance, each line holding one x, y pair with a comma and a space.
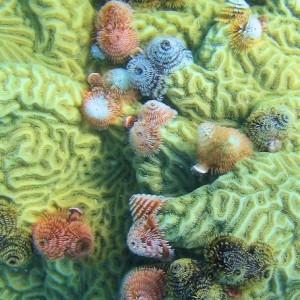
50, 158
259, 199
263, 207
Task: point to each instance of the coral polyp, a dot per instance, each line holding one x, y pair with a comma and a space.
168, 54
245, 32
156, 113
99, 109
144, 283
146, 78
220, 148
144, 139
268, 127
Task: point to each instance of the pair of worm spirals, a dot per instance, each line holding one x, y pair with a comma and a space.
237, 264
162, 57
62, 233
116, 38
144, 135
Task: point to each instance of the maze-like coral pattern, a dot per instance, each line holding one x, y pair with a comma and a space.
258, 201
52, 33
189, 23
49, 158
31, 87
222, 84
46, 164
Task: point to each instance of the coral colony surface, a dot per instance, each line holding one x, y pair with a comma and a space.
149, 149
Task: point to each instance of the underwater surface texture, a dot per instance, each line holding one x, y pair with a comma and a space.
51, 158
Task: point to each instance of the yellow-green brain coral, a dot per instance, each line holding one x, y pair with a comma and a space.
259, 200
50, 158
